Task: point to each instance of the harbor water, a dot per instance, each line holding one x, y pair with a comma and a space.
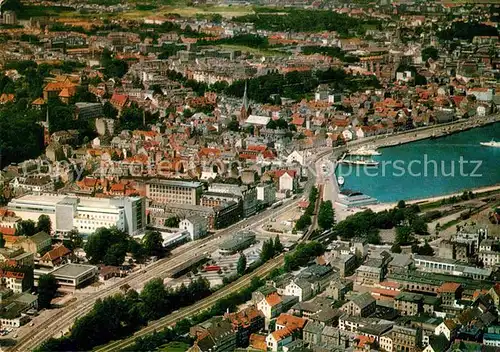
430, 167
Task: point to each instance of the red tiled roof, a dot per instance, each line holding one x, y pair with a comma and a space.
291, 321
280, 173
273, 299
7, 231
258, 342
55, 254
257, 148
449, 287
119, 99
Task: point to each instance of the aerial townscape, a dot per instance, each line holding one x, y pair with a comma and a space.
250, 175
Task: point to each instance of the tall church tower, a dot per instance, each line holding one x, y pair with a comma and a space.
246, 110
46, 129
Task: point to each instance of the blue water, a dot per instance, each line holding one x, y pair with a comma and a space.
440, 166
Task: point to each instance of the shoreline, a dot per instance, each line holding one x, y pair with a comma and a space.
422, 201
419, 134
439, 131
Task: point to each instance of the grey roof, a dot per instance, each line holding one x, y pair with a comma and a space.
287, 300
178, 183
73, 270
307, 306
363, 300
239, 240
295, 346
375, 329
376, 263
313, 327
439, 343
400, 260
302, 283
326, 315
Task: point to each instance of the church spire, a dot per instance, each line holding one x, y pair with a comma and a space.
47, 119
46, 127
245, 98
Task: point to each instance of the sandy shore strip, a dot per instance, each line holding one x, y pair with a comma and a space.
386, 206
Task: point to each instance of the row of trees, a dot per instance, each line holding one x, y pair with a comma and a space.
109, 246
118, 316
326, 215
29, 227
268, 88
367, 224
306, 219
302, 255
425, 249
230, 303
47, 288
297, 84
467, 31
270, 249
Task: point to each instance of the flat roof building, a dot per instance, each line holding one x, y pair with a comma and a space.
237, 243
70, 276
86, 214
174, 191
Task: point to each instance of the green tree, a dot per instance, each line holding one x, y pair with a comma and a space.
278, 247
115, 255
302, 254
47, 288
242, 264
303, 222
430, 53
113, 67
153, 243
109, 110
373, 237
137, 250
44, 224
155, 299
396, 248
326, 215
233, 125
419, 226
403, 235
267, 250
107, 246
76, 238
426, 249
26, 228
172, 221
401, 204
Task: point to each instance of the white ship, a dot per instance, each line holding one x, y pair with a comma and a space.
360, 162
365, 151
491, 144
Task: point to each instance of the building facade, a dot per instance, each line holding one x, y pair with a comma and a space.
174, 191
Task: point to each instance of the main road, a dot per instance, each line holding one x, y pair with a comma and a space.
55, 322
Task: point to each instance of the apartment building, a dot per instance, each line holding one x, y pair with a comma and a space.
174, 191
